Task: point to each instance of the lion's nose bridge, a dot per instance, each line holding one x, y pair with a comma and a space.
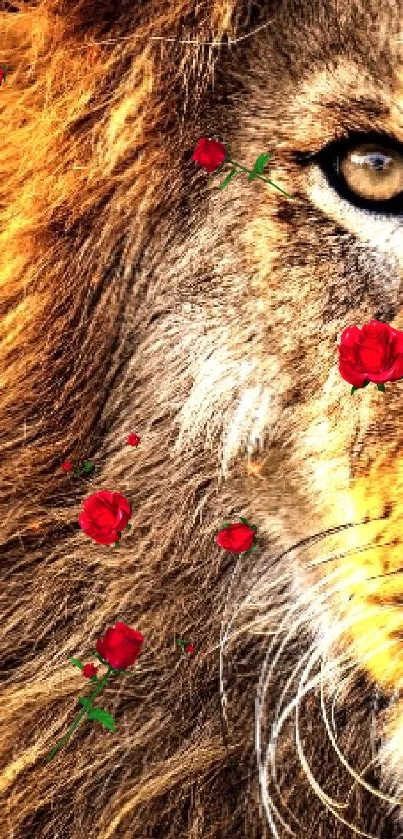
380, 276
389, 284
376, 447
369, 582
376, 483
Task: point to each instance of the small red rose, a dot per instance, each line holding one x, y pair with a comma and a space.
3, 73
67, 466
209, 154
190, 648
89, 670
133, 440
105, 514
120, 647
237, 538
371, 354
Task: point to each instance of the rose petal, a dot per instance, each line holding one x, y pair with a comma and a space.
122, 502
375, 332
350, 336
134, 634
397, 343
372, 358
397, 372
350, 374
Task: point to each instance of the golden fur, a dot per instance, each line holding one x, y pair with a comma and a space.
135, 296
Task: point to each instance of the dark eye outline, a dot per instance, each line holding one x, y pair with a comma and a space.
330, 157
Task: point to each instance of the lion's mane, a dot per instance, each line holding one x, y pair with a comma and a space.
100, 112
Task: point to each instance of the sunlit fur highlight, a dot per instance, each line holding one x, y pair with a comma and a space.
137, 297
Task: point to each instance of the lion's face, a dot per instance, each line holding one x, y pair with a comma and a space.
277, 283
143, 299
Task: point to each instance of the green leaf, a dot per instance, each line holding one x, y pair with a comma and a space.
228, 178
84, 702
381, 388
252, 175
366, 383
88, 467
244, 521
102, 716
94, 679
353, 389
260, 163
129, 527
77, 663
255, 548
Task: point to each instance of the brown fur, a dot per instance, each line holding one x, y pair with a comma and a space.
137, 297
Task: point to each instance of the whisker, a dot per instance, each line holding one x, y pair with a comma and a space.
316, 537
387, 573
314, 654
344, 554
327, 800
351, 771
291, 622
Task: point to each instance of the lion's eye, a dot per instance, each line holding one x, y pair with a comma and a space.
373, 172
366, 170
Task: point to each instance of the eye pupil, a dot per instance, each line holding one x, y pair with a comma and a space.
378, 161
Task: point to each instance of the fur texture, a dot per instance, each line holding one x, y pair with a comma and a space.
137, 297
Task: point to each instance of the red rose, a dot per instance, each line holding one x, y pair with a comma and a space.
373, 353
3, 74
67, 465
210, 154
133, 440
120, 647
190, 648
236, 538
89, 670
104, 515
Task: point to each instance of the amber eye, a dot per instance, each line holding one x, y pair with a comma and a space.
364, 169
373, 172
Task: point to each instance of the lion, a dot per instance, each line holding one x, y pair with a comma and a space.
136, 296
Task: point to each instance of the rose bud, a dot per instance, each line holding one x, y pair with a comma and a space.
89, 670
209, 154
121, 646
237, 538
133, 440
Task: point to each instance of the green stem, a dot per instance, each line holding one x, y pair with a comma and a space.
262, 178
79, 717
